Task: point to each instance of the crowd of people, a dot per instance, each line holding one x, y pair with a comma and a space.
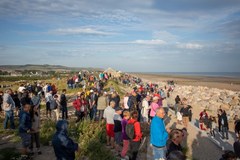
125, 119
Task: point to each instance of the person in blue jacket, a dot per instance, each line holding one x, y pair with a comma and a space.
25, 126
64, 147
159, 135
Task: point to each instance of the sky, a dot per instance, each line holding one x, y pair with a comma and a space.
127, 35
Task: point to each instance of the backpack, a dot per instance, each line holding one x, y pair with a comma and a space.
53, 104
130, 130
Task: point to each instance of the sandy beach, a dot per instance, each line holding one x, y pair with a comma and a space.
211, 82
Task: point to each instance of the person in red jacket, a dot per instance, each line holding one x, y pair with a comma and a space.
135, 142
80, 106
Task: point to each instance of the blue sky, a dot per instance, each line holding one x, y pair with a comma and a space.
128, 35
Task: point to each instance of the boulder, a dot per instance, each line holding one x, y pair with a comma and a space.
227, 100
225, 106
234, 102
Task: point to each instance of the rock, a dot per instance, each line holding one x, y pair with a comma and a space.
227, 100
234, 102
225, 106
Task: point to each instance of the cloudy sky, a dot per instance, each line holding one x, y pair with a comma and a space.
128, 35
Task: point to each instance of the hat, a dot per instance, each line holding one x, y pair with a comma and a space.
91, 90
118, 109
155, 98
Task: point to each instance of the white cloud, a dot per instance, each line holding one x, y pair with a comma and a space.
77, 31
150, 42
189, 45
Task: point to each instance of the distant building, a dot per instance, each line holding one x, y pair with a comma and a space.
113, 72
15, 74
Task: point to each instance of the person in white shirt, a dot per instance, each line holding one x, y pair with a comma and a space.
125, 101
145, 108
108, 116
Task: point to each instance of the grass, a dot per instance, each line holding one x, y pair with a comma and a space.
9, 153
115, 85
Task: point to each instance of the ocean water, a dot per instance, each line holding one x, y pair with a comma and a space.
207, 74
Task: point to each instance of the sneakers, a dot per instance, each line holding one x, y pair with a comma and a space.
39, 152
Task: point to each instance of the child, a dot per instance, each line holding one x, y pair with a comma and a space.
35, 129
63, 146
126, 116
24, 129
212, 125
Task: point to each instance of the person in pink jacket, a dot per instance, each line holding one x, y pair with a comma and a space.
154, 106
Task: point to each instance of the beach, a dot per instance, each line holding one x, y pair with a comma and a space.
228, 83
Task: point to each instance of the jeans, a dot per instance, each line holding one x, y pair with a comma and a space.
93, 112
159, 153
64, 113
35, 138
9, 116
224, 130
133, 150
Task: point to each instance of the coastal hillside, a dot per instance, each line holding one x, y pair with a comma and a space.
44, 67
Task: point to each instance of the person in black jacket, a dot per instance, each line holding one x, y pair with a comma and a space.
17, 102
219, 120
224, 123
63, 102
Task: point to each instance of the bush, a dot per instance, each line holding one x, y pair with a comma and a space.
9, 153
92, 138
47, 130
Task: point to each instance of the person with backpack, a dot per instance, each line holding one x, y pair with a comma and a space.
158, 135
133, 131
126, 116
108, 115
55, 106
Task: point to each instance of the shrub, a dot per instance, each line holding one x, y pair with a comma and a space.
46, 132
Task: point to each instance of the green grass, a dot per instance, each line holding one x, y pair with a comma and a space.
9, 153
115, 85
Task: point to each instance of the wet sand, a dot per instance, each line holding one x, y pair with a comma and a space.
228, 83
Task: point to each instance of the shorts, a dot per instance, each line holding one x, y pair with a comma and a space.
26, 139
110, 128
118, 137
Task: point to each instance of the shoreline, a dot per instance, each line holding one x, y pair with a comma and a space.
228, 83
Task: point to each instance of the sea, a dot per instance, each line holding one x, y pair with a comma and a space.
205, 74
